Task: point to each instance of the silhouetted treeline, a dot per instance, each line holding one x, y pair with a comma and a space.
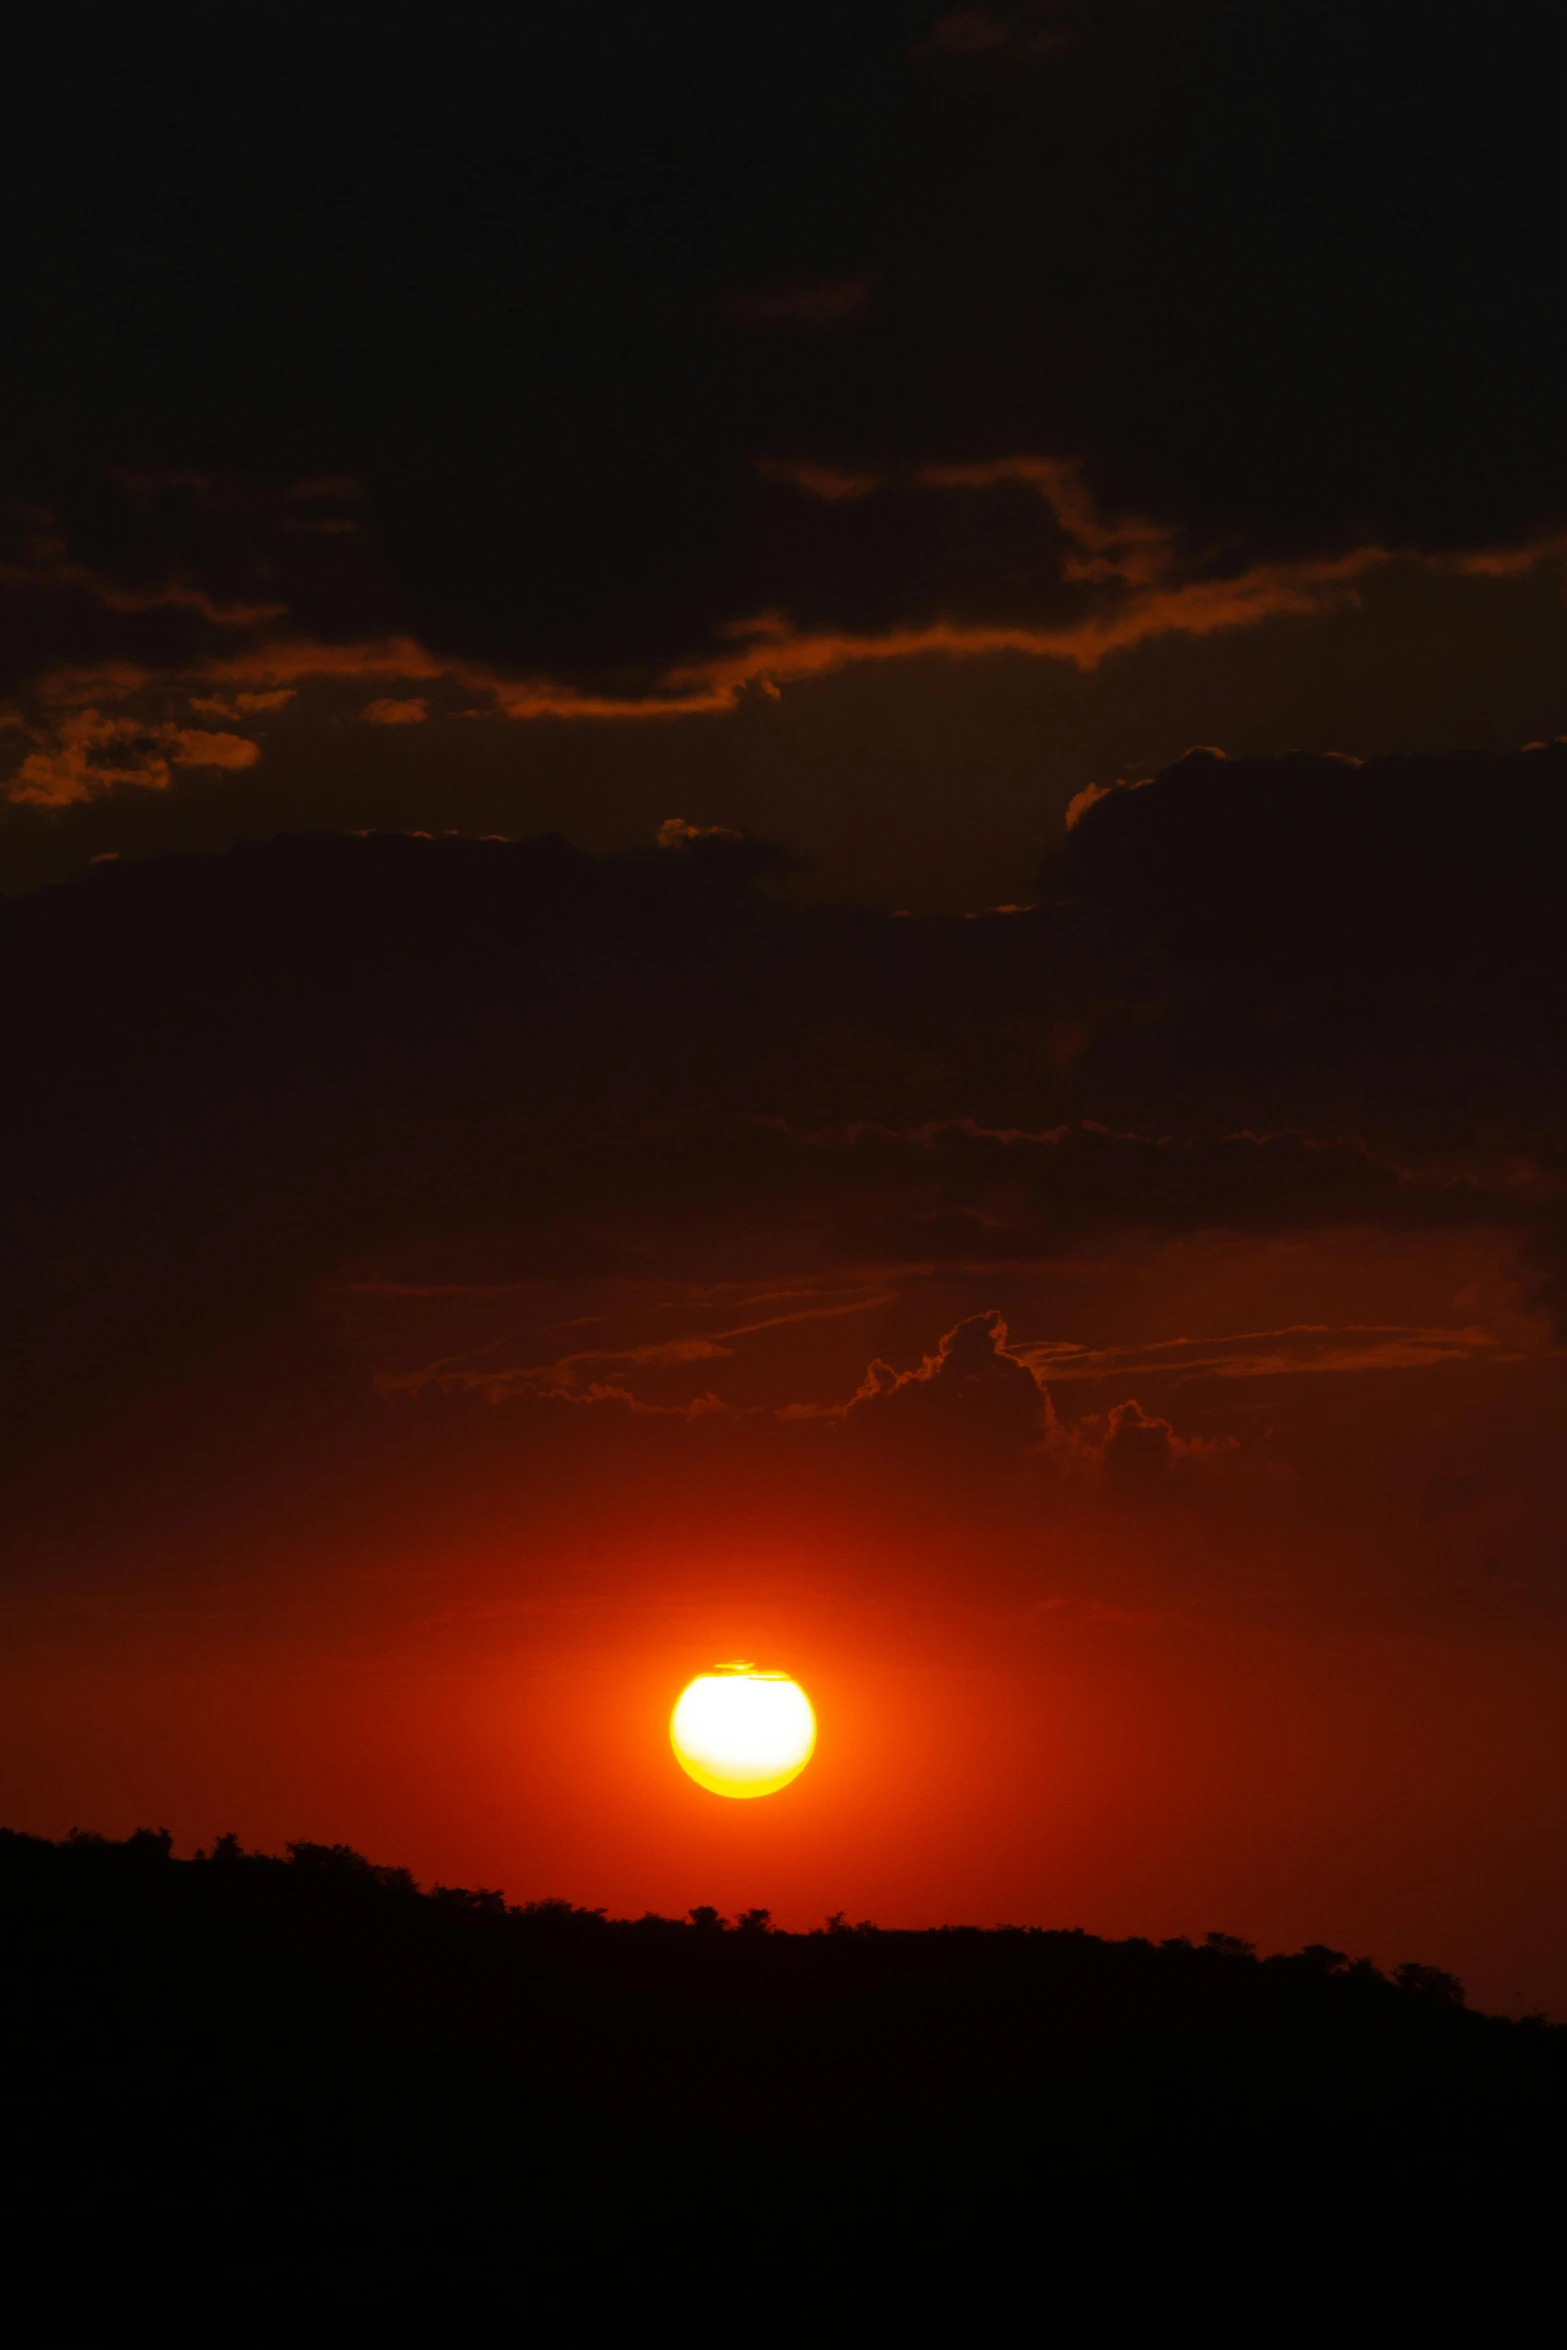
250, 2091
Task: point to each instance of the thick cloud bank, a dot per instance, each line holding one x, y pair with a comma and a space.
1260, 1101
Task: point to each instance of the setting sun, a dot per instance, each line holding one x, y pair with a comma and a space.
738, 1731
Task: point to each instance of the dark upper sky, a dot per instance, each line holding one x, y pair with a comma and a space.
837, 422
1047, 1230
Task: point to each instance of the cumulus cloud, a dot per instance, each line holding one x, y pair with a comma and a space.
982, 1399
1140, 1454
971, 1387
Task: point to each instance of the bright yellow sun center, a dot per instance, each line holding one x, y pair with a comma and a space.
742, 1732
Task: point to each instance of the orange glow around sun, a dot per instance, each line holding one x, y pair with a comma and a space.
738, 1731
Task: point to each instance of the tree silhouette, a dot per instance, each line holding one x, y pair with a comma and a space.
368, 2110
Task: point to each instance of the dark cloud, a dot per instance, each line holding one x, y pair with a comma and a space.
500, 1177
1335, 942
977, 1403
1079, 1179
1141, 1454
1317, 865
236, 1079
972, 1392
485, 346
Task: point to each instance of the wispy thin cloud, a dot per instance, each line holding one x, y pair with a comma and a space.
1299, 1348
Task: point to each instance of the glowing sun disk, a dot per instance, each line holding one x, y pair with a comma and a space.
741, 1732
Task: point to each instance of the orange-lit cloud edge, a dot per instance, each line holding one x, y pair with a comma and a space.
1140, 579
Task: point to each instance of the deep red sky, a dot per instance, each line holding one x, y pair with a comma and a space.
1395, 1792
1296, 1675
924, 1179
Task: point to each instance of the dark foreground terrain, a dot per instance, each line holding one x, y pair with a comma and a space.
253, 2095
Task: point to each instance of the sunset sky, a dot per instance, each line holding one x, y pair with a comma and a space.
785, 819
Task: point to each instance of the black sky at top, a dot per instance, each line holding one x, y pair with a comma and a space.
1282, 276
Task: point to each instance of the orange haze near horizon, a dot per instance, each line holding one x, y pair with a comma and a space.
1386, 1790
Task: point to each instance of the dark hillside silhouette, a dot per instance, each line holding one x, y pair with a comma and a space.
252, 2091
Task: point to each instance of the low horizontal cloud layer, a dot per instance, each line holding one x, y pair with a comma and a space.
1197, 1026
1088, 1200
